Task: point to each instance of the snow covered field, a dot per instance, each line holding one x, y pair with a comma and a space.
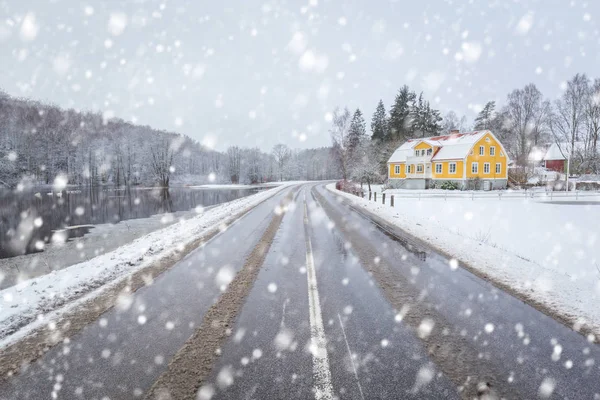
548, 251
23, 305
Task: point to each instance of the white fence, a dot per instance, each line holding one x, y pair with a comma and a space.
499, 194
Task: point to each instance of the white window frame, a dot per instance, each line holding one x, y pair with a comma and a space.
422, 169
416, 153
481, 150
501, 154
498, 168
474, 167
397, 169
487, 139
407, 169
440, 168
422, 152
452, 168
492, 150
429, 152
486, 166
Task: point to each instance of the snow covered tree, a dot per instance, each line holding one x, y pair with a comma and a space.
526, 115
426, 121
379, 123
357, 132
366, 167
486, 116
282, 154
339, 136
401, 116
234, 156
162, 163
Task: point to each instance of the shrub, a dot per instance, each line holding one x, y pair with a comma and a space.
349, 187
449, 185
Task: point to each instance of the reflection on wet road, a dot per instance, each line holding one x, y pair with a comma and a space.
339, 308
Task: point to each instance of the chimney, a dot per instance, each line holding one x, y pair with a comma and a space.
454, 132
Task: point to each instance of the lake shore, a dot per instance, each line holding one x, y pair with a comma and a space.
101, 239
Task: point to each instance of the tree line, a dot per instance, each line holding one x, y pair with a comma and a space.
40, 143
525, 122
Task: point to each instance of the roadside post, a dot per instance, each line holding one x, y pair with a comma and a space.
370, 195
375, 197
383, 198
392, 201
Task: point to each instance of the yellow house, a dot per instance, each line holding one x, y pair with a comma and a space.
472, 160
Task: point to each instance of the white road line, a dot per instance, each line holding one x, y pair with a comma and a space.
351, 358
321, 371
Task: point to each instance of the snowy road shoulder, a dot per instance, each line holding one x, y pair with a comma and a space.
39, 301
570, 298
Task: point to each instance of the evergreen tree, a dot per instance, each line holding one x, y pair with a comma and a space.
433, 120
426, 121
486, 116
379, 123
357, 132
419, 118
401, 114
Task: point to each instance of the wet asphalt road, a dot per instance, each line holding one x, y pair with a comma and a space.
274, 351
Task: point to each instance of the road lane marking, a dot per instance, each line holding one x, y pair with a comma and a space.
321, 371
351, 358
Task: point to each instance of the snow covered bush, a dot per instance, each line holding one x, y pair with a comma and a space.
449, 185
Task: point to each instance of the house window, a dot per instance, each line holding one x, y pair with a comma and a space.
438, 168
407, 169
474, 168
481, 150
452, 167
416, 153
429, 151
419, 167
498, 168
487, 139
423, 152
486, 168
501, 154
492, 151
397, 170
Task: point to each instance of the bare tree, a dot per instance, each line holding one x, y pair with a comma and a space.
162, 163
282, 154
568, 119
526, 114
592, 116
339, 136
366, 167
234, 156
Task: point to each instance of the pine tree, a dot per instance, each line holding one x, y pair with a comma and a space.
419, 118
379, 124
486, 116
401, 114
357, 132
434, 120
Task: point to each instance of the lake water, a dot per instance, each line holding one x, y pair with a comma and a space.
29, 218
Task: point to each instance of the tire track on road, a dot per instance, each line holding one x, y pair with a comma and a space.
193, 363
453, 354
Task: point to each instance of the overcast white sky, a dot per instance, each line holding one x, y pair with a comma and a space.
255, 73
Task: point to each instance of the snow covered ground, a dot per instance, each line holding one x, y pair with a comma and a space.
548, 251
22, 305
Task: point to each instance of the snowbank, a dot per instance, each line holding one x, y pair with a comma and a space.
25, 303
548, 253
